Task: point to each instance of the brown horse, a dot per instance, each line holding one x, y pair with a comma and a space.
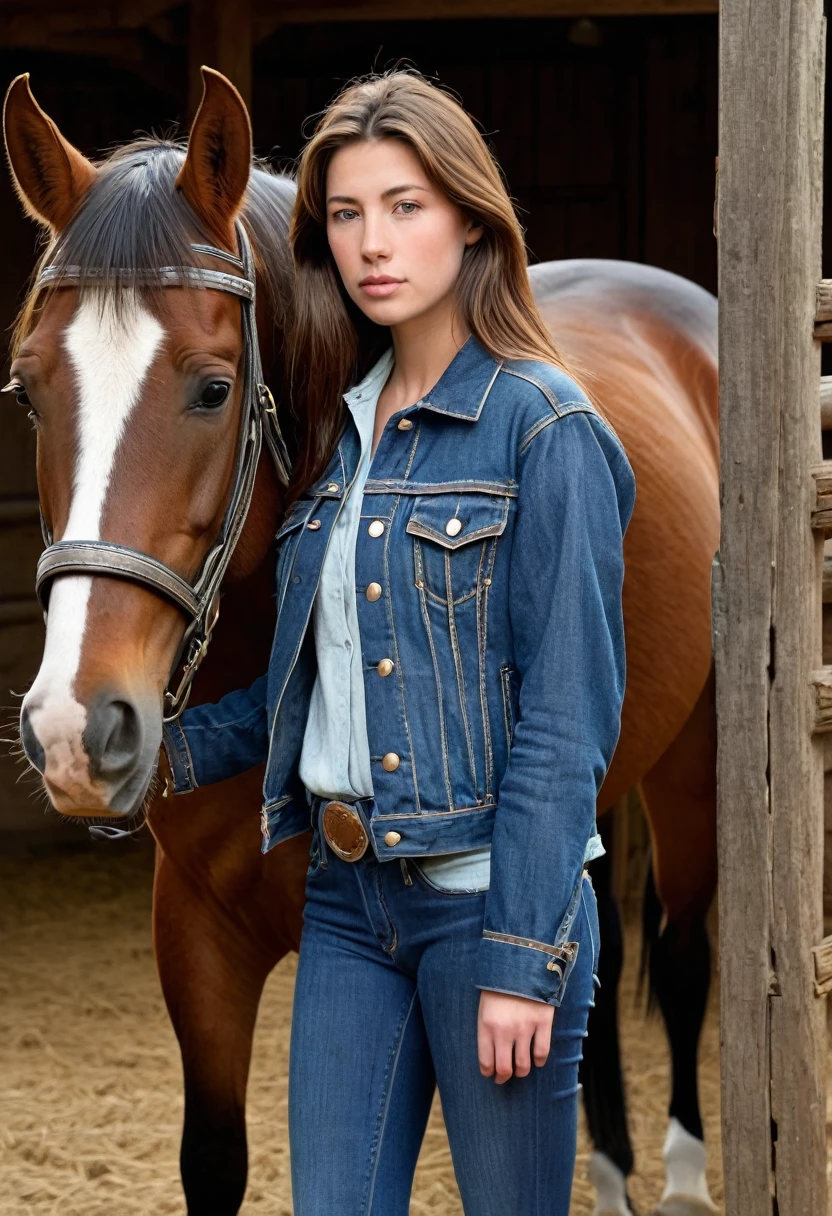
136, 448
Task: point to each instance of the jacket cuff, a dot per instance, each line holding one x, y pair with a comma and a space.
524, 967
179, 758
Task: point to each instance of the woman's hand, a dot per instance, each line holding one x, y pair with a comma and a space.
512, 1023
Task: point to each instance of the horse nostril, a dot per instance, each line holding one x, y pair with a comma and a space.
113, 738
31, 743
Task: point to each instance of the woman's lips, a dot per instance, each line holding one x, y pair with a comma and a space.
380, 289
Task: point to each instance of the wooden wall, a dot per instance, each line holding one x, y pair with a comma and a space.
607, 142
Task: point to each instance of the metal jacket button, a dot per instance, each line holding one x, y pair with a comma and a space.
404, 424
374, 592
385, 667
313, 525
453, 527
376, 528
392, 838
390, 762
333, 487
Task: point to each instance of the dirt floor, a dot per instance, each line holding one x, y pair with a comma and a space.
90, 1086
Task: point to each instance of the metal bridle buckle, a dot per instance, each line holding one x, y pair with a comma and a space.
343, 831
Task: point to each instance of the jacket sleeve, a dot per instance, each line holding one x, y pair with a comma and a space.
212, 742
575, 498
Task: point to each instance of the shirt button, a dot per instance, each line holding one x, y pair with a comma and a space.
313, 525
404, 424
374, 592
390, 762
385, 667
453, 527
392, 838
333, 487
376, 528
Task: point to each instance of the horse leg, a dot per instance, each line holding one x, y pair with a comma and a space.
679, 794
212, 979
600, 1073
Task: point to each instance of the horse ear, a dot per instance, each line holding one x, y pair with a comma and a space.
51, 176
215, 174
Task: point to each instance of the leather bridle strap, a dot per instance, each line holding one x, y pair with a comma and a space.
198, 600
102, 557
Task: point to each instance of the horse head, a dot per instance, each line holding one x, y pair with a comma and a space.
135, 359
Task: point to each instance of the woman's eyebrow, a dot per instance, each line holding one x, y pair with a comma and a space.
345, 198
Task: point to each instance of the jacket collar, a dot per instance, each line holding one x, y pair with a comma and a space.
461, 390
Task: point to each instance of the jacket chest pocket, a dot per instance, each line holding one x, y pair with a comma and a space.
454, 540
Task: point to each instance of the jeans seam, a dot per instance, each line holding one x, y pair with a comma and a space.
385, 1107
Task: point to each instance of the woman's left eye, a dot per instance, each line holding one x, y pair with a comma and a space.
213, 395
415, 207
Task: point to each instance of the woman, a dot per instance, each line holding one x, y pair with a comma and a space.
445, 687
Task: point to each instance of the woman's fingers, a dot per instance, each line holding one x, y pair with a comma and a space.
543, 1040
511, 1033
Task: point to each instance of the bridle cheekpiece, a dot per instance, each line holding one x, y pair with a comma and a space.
199, 600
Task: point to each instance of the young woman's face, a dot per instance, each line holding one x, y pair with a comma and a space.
397, 240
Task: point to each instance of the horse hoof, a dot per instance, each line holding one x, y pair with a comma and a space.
685, 1205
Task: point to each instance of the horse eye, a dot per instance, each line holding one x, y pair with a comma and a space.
214, 394
19, 392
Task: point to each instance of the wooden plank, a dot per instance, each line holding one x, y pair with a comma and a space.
822, 955
820, 682
826, 403
766, 598
292, 12
219, 36
821, 479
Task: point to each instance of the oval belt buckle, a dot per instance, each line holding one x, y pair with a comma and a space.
344, 831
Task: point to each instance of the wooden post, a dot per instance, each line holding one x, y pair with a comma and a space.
767, 608
219, 37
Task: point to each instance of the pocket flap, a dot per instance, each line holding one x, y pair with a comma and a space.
452, 520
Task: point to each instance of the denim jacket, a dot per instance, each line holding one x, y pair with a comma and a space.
494, 590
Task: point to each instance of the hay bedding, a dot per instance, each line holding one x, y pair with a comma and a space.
90, 1083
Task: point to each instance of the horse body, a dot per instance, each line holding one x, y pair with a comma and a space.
223, 913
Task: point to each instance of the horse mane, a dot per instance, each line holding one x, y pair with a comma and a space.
134, 219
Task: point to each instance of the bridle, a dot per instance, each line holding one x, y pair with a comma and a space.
199, 600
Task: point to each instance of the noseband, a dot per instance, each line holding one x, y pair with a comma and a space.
199, 601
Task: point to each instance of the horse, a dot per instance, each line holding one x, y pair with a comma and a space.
137, 365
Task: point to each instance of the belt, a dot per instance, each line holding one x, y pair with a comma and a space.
343, 830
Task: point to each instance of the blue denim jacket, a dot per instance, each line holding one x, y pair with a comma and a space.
495, 590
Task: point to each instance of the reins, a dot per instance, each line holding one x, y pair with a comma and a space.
199, 601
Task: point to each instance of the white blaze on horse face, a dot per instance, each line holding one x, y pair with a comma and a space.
111, 352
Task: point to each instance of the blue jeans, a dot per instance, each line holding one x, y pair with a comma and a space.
385, 1008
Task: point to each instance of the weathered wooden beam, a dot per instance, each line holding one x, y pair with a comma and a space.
220, 36
268, 15
766, 600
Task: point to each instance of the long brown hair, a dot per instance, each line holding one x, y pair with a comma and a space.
332, 343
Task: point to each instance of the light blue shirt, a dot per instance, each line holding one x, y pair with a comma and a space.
335, 757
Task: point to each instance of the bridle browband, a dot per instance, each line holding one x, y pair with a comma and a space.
199, 601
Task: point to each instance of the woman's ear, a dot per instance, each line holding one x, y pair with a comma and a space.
50, 175
215, 174
474, 232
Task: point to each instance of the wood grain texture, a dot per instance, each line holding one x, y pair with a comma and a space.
767, 592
